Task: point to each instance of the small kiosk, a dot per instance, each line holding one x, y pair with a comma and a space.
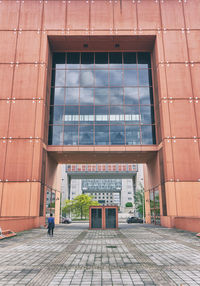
103, 217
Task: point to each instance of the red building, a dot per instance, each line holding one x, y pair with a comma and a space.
149, 89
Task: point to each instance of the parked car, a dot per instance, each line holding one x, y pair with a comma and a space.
134, 219
66, 220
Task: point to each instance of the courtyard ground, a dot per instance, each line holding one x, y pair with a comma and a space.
132, 255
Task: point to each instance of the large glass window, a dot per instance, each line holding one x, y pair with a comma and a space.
101, 98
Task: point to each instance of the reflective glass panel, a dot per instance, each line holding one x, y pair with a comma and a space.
144, 60
131, 95
57, 135
129, 60
86, 114
132, 114
116, 78
101, 114
102, 135
101, 78
58, 114
72, 96
143, 77
109, 91
133, 135
60, 78
115, 60
146, 114
117, 135
116, 96
71, 135
101, 96
59, 96
73, 60
146, 95
71, 115
86, 96
86, 135
101, 60
130, 78
147, 134
73, 78
87, 78
117, 114
87, 60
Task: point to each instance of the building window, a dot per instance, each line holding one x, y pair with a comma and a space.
101, 99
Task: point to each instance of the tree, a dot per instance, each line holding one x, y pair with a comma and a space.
129, 204
139, 201
68, 207
80, 205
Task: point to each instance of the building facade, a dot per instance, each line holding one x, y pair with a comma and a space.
96, 82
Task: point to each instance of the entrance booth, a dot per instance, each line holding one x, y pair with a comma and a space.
103, 217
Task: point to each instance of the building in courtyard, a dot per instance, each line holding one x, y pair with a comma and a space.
99, 82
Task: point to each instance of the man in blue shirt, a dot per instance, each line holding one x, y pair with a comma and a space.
51, 225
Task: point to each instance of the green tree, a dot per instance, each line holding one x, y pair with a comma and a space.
129, 204
80, 205
139, 201
68, 207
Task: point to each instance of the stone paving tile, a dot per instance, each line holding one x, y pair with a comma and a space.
133, 255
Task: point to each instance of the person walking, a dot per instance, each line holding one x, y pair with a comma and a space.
51, 225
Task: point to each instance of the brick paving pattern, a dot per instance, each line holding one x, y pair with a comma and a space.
132, 255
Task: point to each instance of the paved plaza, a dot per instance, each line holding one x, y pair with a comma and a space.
132, 255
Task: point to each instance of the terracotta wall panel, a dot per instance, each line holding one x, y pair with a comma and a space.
78, 18
8, 43
188, 198
162, 82
165, 118
22, 119
39, 119
158, 49
194, 45
102, 15
16, 199
125, 15
37, 160
175, 46
44, 48
1, 191
186, 159
148, 14
35, 199
168, 160
3, 145
195, 72
182, 118
171, 198
54, 15
192, 12
42, 82
31, 15
6, 76
28, 47
19, 160
9, 13
197, 114
172, 14
25, 81
4, 117
179, 81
